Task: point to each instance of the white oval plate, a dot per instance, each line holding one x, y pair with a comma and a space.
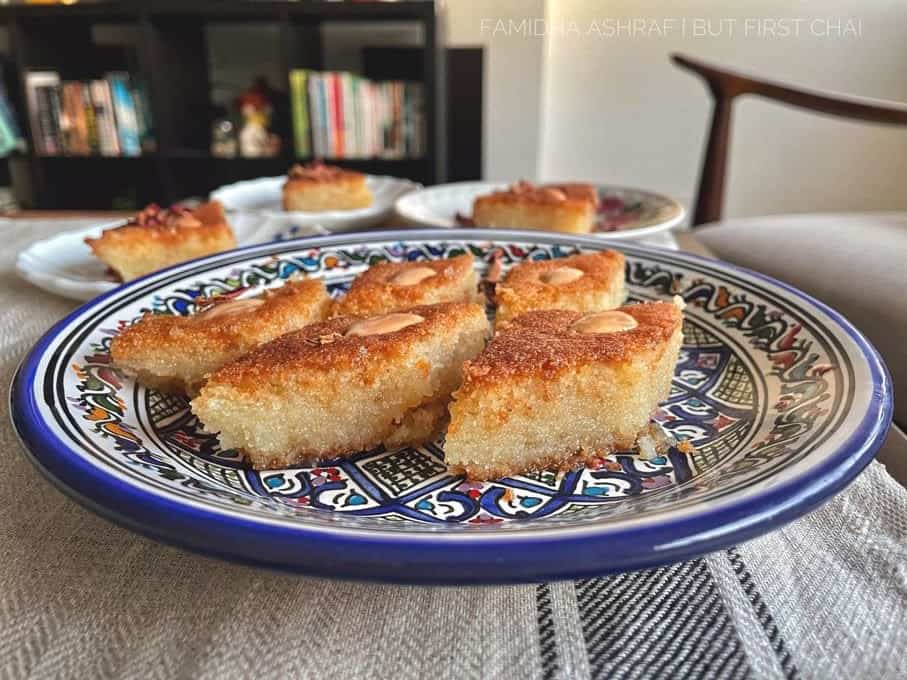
636, 213
64, 264
262, 196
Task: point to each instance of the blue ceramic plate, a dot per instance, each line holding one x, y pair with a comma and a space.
784, 400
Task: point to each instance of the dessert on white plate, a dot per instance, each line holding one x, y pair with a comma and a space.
623, 212
63, 264
264, 198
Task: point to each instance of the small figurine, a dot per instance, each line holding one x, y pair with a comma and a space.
255, 139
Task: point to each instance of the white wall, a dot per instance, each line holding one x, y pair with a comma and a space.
615, 109
512, 96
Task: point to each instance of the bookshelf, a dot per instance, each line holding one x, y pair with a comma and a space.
166, 46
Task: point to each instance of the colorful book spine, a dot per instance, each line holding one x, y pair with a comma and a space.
41, 119
368, 115
315, 115
67, 120
7, 138
76, 134
51, 99
104, 118
91, 122
326, 117
387, 121
9, 124
337, 128
360, 115
350, 135
324, 94
299, 101
142, 102
125, 114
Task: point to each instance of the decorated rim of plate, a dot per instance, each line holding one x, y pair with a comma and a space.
750, 513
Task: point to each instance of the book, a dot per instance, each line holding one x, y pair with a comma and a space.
9, 126
358, 113
7, 139
91, 123
326, 137
99, 91
397, 90
315, 115
337, 130
387, 120
348, 119
147, 139
50, 97
299, 102
124, 114
365, 99
66, 120
41, 118
73, 123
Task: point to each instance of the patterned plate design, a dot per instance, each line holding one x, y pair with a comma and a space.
784, 401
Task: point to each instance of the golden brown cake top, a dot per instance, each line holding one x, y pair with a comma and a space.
317, 172
168, 225
577, 190
542, 343
347, 342
220, 320
571, 274
394, 285
211, 212
548, 194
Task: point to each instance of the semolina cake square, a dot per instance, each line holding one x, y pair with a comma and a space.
317, 187
589, 282
345, 385
558, 387
389, 286
569, 208
158, 238
175, 353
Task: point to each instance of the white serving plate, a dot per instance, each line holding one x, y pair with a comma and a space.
640, 213
262, 197
64, 264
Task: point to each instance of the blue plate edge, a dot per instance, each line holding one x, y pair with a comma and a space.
519, 558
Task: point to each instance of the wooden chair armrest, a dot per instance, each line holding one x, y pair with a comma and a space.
728, 84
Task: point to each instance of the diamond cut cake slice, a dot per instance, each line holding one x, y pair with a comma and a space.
344, 385
557, 387
590, 282
389, 286
317, 187
566, 208
157, 238
175, 353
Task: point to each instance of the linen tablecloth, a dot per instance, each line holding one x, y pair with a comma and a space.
823, 597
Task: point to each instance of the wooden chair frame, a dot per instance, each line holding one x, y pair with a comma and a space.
726, 86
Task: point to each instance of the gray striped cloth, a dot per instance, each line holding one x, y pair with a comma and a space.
824, 597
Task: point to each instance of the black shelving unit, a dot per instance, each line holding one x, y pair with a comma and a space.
170, 54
